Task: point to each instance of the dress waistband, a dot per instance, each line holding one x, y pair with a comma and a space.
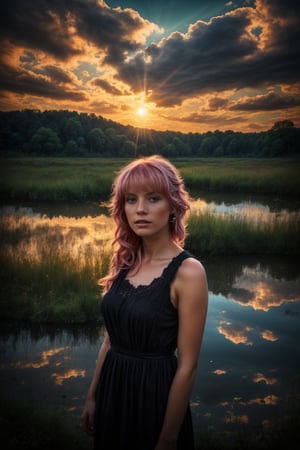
142, 355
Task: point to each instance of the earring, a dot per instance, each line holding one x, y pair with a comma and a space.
172, 218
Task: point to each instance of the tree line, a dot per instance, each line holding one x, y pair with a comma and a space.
69, 133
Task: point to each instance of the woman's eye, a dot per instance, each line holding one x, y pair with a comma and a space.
154, 198
130, 199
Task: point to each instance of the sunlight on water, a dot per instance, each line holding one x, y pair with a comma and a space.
251, 211
36, 236
248, 365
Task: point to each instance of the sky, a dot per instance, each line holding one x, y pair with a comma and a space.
188, 66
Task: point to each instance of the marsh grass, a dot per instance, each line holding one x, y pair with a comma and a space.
53, 290
243, 175
212, 234
56, 179
49, 268
62, 179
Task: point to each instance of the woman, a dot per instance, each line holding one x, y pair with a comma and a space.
155, 302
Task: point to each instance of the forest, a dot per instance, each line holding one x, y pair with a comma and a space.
69, 133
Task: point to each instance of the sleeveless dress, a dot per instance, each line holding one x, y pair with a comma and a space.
138, 370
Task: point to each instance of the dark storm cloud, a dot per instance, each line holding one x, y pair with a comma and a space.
53, 25
107, 29
269, 102
210, 119
107, 87
249, 47
226, 53
19, 81
37, 25
217, 103
57, 74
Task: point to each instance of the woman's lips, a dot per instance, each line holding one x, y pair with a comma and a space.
142, 222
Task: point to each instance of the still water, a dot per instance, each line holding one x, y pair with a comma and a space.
248, 373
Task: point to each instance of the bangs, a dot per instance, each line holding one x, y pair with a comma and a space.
146, 178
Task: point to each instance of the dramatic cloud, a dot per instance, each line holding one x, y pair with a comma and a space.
226, 53
84, 54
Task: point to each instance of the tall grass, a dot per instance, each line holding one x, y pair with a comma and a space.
49, 268
57, 179
55, 289
213, 234
255, 176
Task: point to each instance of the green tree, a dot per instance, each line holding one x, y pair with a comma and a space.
208, 146
96, 140
282, 124
72, 148
72, 129
128, 148
45, 141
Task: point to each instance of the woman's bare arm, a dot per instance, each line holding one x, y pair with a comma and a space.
191, 292
87, 417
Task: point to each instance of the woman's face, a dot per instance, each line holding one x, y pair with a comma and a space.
147, 212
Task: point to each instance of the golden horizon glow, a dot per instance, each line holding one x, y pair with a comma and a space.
170, 64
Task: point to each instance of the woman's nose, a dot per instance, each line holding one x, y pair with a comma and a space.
141, 208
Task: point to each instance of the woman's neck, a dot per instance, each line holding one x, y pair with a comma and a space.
159, 251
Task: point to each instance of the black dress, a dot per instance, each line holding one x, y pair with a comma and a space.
138, 370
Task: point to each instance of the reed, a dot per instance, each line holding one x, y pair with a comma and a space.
49, 268
54, 290
232, 234
256, 176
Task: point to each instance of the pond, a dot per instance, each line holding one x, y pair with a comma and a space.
248, 373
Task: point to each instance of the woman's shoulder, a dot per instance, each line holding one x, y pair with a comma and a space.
191, 269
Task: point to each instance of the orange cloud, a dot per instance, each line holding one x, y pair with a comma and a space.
235, 333
263, 293
46, 355
73, 373
258, 377
88, 57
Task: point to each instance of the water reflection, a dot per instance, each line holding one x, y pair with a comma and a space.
249, 360
49, 364
32, 232
258, 207
249, 210
32, 236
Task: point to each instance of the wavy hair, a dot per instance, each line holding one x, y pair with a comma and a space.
155, 174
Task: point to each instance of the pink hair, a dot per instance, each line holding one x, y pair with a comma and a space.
158, 175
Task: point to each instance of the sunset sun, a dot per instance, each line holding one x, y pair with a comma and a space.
141, 111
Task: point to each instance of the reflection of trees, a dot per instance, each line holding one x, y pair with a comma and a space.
223, 271
66, 334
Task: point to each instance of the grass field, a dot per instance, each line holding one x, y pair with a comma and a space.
50, 267
55, 179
